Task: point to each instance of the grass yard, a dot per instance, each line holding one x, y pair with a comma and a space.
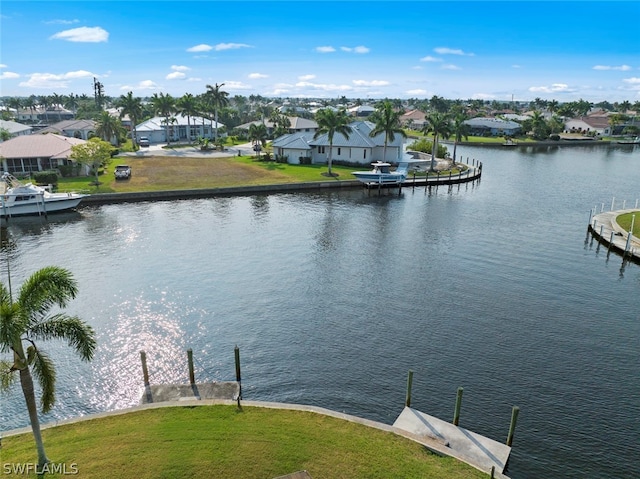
625, 222
223, 442
161, 173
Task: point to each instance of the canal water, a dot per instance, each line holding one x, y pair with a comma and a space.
333, 297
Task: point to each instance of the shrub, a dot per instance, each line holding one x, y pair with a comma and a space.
46, 178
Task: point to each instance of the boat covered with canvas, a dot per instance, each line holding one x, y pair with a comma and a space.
22, 199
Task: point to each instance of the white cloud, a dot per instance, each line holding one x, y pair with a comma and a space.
417, 92
236, 85
451, 67
359, 49
429, 58
2, 65
306, 77
83, 34
516, 66
143, 85
451, 51
175, 76
52, 80
257, 76
632, 80
280, 91
231, 46
61, 22
194, 79
323, 87
203, 47
622, 68
555, 88
7, 75
371, 83
482, 96
327, 49
180, 68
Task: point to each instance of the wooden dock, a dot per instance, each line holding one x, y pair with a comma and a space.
476, 450
472, 173
606, 230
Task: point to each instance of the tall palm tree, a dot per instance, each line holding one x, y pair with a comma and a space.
258, 136
108, 127
28, 319
387, 121
164, 105
187, 105
57, 101
459, 130
218, 99
440, 125
131, 106
331, 122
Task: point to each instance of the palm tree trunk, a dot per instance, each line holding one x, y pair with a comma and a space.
215, 139
434, 148
329, 159
26, 381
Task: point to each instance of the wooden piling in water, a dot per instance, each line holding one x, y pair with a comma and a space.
407, 401
145, 371
456, 413
238, 378
192, 377
512, 426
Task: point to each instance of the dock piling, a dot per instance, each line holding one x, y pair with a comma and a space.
512, 426
456, 414
407, 402
192, 378
145, 371
238, 378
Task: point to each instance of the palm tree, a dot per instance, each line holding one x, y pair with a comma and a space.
218, 99
187, 105
258, 136
28, 320
57, 101
164, 105
438, 124
459, 130
108, 127
387, 121
131, 106
331, 122
538, 125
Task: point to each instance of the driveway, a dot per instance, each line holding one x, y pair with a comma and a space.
189, 151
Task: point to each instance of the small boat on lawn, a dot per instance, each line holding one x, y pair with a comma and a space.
381, 174
22, 199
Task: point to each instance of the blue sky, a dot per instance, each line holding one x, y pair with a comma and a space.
374, 49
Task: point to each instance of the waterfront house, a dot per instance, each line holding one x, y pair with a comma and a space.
297, 124
156, 129
492, 127
25, 154
14, 128
359, 148
82, 129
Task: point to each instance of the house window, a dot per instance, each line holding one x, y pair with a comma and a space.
338, 151
365, 154
321, 149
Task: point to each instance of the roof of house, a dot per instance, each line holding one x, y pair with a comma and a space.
69, 125
38, 146
297, 123
492, 123
413, 115
358, 138
14, 127
157, 123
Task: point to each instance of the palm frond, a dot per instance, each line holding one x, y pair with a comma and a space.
46, 288
12, 325
7, 376
45, 373
77, 333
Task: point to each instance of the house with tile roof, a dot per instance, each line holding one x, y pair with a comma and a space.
25, 154
82, 129
297, 124
492, 127
15, 129
178, 129
589, 125
359, 148
413, 118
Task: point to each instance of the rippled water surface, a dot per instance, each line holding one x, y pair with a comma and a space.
333, 297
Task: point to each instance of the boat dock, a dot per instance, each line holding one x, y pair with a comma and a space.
472, 173
478, 451
604, 228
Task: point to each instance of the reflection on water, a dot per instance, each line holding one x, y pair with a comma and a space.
332, 297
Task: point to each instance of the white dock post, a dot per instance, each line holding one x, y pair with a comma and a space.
613, 200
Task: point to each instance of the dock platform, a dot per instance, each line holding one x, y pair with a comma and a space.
606, 230
476, 450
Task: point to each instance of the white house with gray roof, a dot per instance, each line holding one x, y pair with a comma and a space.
358, 148
178, 128
492, 127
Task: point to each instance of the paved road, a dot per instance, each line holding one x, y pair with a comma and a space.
189, 151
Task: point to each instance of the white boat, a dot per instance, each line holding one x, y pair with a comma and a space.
381, 173
21, 199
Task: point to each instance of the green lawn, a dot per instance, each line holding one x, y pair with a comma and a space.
223, 442
625, 222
